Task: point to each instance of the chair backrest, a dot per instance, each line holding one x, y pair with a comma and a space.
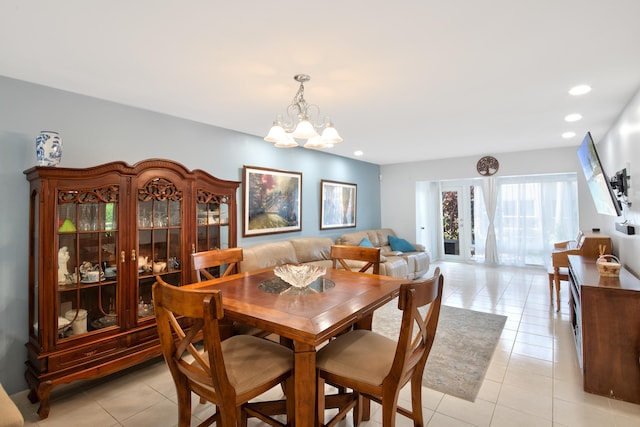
190, 368
570, 244
341, 254
417, 332
201, 261
560, 259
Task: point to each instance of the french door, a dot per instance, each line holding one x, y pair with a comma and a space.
456, 202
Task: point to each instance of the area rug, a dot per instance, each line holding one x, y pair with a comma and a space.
465, 341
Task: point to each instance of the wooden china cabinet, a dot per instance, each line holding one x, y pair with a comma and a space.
97, 239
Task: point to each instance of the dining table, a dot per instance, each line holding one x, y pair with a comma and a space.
304, 318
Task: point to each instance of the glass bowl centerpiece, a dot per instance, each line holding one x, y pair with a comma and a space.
299, 276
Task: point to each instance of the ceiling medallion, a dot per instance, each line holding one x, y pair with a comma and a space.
487, 166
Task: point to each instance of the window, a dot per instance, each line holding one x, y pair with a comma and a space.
532, 212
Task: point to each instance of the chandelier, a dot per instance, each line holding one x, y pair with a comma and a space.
301, 123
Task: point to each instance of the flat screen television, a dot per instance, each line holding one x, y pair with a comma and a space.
598, 182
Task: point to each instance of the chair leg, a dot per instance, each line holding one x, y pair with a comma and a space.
416, 401
184, 406
557, 280
290, 402
357, 410
320, 404
551, 278
243, 418
389, 407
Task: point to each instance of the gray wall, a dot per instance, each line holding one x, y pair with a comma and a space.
96, 131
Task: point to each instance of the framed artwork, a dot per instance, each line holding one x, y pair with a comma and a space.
272, 201
337, 204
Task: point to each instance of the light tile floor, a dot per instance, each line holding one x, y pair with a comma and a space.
533, 380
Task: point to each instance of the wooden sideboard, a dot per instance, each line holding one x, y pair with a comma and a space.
605, 316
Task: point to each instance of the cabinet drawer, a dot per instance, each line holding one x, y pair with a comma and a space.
83, 354
142, 336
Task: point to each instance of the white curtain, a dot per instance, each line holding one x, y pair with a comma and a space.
531, 213
490, 198
428, 223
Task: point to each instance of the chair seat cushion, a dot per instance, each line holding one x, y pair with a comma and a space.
360, 354
251, 361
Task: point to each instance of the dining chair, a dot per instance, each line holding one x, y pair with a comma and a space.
559, 272
559, 269
227, 373
204, 264
376, 367
365, 258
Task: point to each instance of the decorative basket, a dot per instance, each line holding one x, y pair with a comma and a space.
608, 268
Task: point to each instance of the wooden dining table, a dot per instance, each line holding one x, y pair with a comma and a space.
308, 320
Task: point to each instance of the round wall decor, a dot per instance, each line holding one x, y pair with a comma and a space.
487, 166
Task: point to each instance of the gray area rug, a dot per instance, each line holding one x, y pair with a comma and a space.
465, 341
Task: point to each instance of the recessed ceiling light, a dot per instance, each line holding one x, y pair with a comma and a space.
573, 117
580, 90
358, 153
567, 135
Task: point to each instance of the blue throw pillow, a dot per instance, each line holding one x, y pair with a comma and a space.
398, 244
366, 243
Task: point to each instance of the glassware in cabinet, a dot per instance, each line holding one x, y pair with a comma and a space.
212, 221
87, 262
159, 249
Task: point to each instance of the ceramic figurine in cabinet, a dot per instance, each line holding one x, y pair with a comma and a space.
63, 258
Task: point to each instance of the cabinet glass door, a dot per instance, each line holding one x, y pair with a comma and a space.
87, 274
159, 212
212, 221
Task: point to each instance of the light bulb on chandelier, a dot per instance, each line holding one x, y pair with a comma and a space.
301, 124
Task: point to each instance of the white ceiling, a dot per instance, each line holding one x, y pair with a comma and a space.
403, 81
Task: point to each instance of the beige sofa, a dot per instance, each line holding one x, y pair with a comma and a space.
317, 251
411, 265
10, 415
303, 250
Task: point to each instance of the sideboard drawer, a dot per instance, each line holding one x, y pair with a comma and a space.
84, 354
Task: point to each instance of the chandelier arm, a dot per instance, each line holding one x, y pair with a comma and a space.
313, 115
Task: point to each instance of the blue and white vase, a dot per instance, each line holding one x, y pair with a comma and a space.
48, 148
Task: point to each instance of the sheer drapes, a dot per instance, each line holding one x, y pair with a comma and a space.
490, 198
429, 232
531, 213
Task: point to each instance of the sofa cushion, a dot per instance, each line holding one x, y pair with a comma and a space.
354, 239
402, 245
380, 237
312, 248
268, 255
417, 262
394, 266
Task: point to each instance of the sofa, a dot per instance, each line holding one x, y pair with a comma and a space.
317, 251
10, 415
411, 262
302, 250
